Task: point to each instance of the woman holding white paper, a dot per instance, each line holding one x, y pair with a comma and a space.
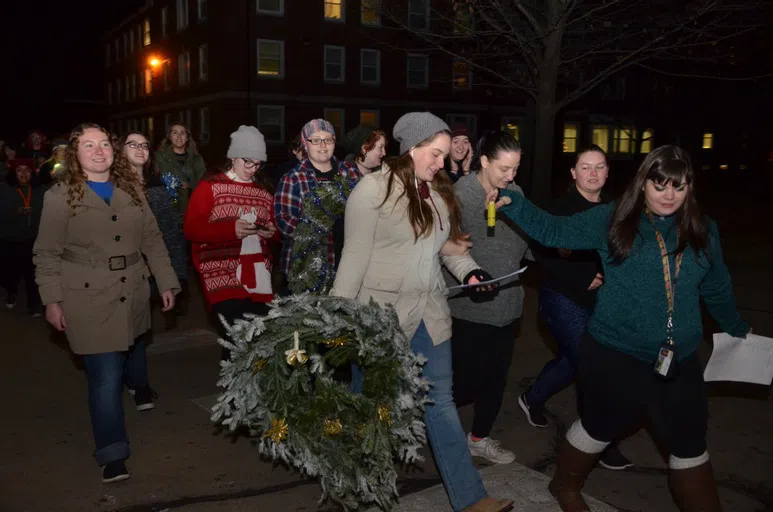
480, 371
660, 258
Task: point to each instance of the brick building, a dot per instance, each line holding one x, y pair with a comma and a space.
277, 64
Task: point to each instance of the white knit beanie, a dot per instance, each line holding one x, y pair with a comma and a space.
247, 142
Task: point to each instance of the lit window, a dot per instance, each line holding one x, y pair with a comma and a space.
418, 14
336, 117
335, 59
271, 122
270, 58
461, 75
203, 62
646, 142
625, 139
271, 7
570, 138
148, 82
600, 137
370, 66
417, 71
369, 12
708, 140
146, 33
369, 118
511, 126
334, 10
204, 125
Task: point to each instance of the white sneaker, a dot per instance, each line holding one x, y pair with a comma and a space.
489, 449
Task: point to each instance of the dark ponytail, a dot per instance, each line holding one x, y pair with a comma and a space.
491, 144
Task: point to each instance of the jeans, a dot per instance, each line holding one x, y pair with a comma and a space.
444, 430
106, 373
567, 322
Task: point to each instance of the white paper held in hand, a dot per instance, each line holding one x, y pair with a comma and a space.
490, 281
747, 359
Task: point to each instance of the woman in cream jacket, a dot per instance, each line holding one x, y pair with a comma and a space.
397, 229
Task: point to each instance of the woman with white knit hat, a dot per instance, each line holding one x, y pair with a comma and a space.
230, 223
400, 222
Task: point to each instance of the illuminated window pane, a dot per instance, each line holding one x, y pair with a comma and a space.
270, 58
624, 140
646, 141
570, 138
461, 78
511, 126
336, 117
334, 9
148, 82
146, 33
369, 14
369, 117
708, 140
600, 137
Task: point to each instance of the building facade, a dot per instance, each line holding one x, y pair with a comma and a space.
277, 64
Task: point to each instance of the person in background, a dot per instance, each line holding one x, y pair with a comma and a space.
400, 222
21, 203
96, 234
230, 222
661, 258
35, 147
319, 169
480, 369
567, 294
459, 159
366, 148
180, 164
295, 154
49, 168
136, 147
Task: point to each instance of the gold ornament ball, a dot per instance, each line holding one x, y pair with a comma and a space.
333, 427
278, 431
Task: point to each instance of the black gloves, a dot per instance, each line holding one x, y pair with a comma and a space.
481, 293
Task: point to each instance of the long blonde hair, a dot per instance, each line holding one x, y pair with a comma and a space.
419, 212
121, 173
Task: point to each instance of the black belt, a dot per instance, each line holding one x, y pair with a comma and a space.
120, 262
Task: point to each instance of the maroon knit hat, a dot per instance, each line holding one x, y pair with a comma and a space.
19, 162
460, 130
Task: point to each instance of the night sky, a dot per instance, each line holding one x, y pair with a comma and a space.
53, 52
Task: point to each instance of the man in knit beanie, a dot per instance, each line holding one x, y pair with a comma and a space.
415, 127
248, 143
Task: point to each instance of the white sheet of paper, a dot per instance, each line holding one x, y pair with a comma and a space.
484, 283
741, 360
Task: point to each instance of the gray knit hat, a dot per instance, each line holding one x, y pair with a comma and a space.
247, 142
415, 127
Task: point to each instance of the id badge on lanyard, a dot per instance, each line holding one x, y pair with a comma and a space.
665, 362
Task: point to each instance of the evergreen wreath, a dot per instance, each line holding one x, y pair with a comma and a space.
310, 269
279, 384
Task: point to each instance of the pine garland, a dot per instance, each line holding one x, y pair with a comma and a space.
310, 269
279, 384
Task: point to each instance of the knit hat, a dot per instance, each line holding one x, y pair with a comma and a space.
19, 162
247, 142
414, 127
59, 143
460, 130
356, 138
317, 125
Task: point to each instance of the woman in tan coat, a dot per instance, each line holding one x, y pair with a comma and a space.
399, 222
95, 229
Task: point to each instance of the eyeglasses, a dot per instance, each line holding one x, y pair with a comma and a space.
249, 164
137, 145
316, 142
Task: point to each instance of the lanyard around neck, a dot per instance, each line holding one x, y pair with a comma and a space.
25, 199
670, 285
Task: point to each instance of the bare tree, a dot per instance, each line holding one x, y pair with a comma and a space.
556, 51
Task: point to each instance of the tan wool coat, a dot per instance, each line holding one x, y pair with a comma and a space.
381, 260
105, 310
